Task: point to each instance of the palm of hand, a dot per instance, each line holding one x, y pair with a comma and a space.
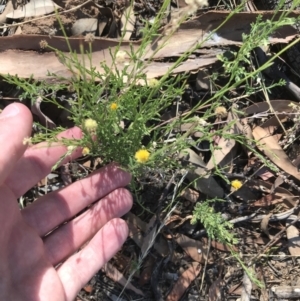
36, 265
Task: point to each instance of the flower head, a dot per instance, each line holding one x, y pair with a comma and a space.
236, 184
85, 151
121, 56
221, 112
90, 125
142, 156
89, 37
113, 106
152, 82
43, 44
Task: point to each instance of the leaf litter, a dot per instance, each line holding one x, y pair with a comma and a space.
264, 212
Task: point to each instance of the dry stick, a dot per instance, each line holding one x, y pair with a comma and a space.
273, 241
44, 17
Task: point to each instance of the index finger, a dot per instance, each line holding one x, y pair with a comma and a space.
15, 125
37, 162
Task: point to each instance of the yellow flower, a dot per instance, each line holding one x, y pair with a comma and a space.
142, 156
85, 151
113, 106
90, 125
236, 184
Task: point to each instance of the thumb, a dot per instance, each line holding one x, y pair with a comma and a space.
15, 125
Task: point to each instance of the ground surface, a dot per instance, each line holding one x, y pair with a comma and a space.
183, 258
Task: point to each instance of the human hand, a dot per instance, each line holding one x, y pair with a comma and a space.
28, 259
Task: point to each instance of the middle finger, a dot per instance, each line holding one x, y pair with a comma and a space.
59, 206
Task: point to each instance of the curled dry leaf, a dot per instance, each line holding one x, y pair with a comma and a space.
44, 120
270, 147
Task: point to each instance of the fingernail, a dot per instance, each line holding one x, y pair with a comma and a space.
9, 111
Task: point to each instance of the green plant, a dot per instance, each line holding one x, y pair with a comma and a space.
216, 227
119, 109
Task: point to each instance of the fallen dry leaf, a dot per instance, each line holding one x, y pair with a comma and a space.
147, 270
190, 195
293, 237
160, 245
33, 62
88, 288
128, 22
267, 200
286, 292
184, 281
117, 276
225, 145
215, 292
264, 224
203, 181
278, 105
220, 246
270, 147
194, 248
246, 289
34, 8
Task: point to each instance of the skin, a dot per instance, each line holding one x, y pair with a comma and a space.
39, 267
